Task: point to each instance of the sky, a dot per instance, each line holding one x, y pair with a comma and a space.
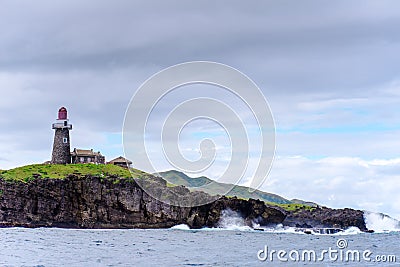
330, 71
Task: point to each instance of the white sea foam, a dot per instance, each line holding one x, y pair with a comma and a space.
381, 223
181, 227
350, 231
277, 229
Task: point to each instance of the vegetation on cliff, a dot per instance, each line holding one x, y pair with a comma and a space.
293, 207
59, 171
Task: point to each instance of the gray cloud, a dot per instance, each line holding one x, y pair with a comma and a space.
91, 56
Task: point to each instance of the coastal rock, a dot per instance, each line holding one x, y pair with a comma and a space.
112, 202
323, 217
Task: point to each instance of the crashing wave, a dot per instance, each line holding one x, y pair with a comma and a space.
380, 223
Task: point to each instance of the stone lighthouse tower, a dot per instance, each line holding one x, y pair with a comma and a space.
61, 146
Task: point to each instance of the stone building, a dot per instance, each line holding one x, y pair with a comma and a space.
121, 161
61, 144
87, 156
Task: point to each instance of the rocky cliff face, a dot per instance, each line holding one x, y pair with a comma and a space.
320, 217
94, 202
112, 202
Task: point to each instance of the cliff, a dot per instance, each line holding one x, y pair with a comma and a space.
113, 202
105, 196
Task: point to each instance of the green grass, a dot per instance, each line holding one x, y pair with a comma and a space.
171, 185
293, 207
56, 171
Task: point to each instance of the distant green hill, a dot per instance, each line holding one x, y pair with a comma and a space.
179, 178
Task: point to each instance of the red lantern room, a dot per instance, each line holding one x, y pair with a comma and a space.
62, 120
62, 113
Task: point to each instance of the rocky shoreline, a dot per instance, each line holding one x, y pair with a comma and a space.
113, 202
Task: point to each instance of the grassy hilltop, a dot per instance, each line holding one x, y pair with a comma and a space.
56, 171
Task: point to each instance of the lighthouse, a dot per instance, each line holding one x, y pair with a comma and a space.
61, 146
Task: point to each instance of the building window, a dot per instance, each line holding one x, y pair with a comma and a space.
82, 159
65, 140
88, 160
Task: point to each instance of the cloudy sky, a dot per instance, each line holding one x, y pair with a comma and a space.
330, 71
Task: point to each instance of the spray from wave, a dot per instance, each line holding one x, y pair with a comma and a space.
232, 220
381, 223
229, 220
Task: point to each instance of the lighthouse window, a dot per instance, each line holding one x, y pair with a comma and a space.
65, 140
65, 123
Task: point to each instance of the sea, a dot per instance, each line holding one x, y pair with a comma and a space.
232, 244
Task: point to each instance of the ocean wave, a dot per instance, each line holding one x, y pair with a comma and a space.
381, 223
